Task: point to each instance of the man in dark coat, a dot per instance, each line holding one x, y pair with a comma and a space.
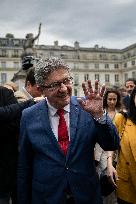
10, 114
8, 149
129, 85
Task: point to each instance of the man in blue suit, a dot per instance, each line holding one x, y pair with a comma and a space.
56, 160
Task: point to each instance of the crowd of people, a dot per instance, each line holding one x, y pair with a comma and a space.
55, 146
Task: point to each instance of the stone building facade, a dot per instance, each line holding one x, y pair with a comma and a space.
111, 66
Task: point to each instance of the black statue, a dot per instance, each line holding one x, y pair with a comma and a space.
29, 42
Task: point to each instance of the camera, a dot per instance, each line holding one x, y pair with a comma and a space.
27, 62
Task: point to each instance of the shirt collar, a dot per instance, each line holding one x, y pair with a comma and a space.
52, 110
26, 93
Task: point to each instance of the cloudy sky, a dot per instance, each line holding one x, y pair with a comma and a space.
108, 23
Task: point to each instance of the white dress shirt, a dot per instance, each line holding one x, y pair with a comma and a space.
54, 118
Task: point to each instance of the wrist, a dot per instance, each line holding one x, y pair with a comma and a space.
109, 160
99, 116
108, 157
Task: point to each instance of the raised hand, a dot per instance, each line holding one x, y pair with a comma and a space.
93, 102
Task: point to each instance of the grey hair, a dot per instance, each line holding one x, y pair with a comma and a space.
44, 68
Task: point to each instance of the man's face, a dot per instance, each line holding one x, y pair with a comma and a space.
58, 88
129, 86
33, 90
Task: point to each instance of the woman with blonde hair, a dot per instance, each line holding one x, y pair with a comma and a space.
126, 164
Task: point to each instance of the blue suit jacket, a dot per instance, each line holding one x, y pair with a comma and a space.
44, 172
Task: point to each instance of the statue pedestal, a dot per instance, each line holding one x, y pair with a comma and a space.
19, 78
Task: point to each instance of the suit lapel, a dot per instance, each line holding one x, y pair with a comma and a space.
74, 113
44, 118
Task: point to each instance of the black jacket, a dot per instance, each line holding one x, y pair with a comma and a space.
8, 144
14, 111
10, 114
126, 102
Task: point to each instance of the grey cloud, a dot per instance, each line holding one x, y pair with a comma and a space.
86, 21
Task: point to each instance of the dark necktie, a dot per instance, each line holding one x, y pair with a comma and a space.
63, 138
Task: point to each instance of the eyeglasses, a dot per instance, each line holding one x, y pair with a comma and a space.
57, 84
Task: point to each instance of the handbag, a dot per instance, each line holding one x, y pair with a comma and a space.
106, 186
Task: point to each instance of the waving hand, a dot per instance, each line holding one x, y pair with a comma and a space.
93, 102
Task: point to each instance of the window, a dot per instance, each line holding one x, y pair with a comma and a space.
76, 79
86, 65
4, 42
63, 56
96, 77
134, 75
75, 66
116, 66
103, 56
52, 54
96, 66
16, 42
114, 57
3, 78
106, 66
128, 55
125, 65
116, 78
94, 56
75, 92
16, 65
3, 64
15, 53
86, 77
107, 77
126, 76
4, 53
133, 62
